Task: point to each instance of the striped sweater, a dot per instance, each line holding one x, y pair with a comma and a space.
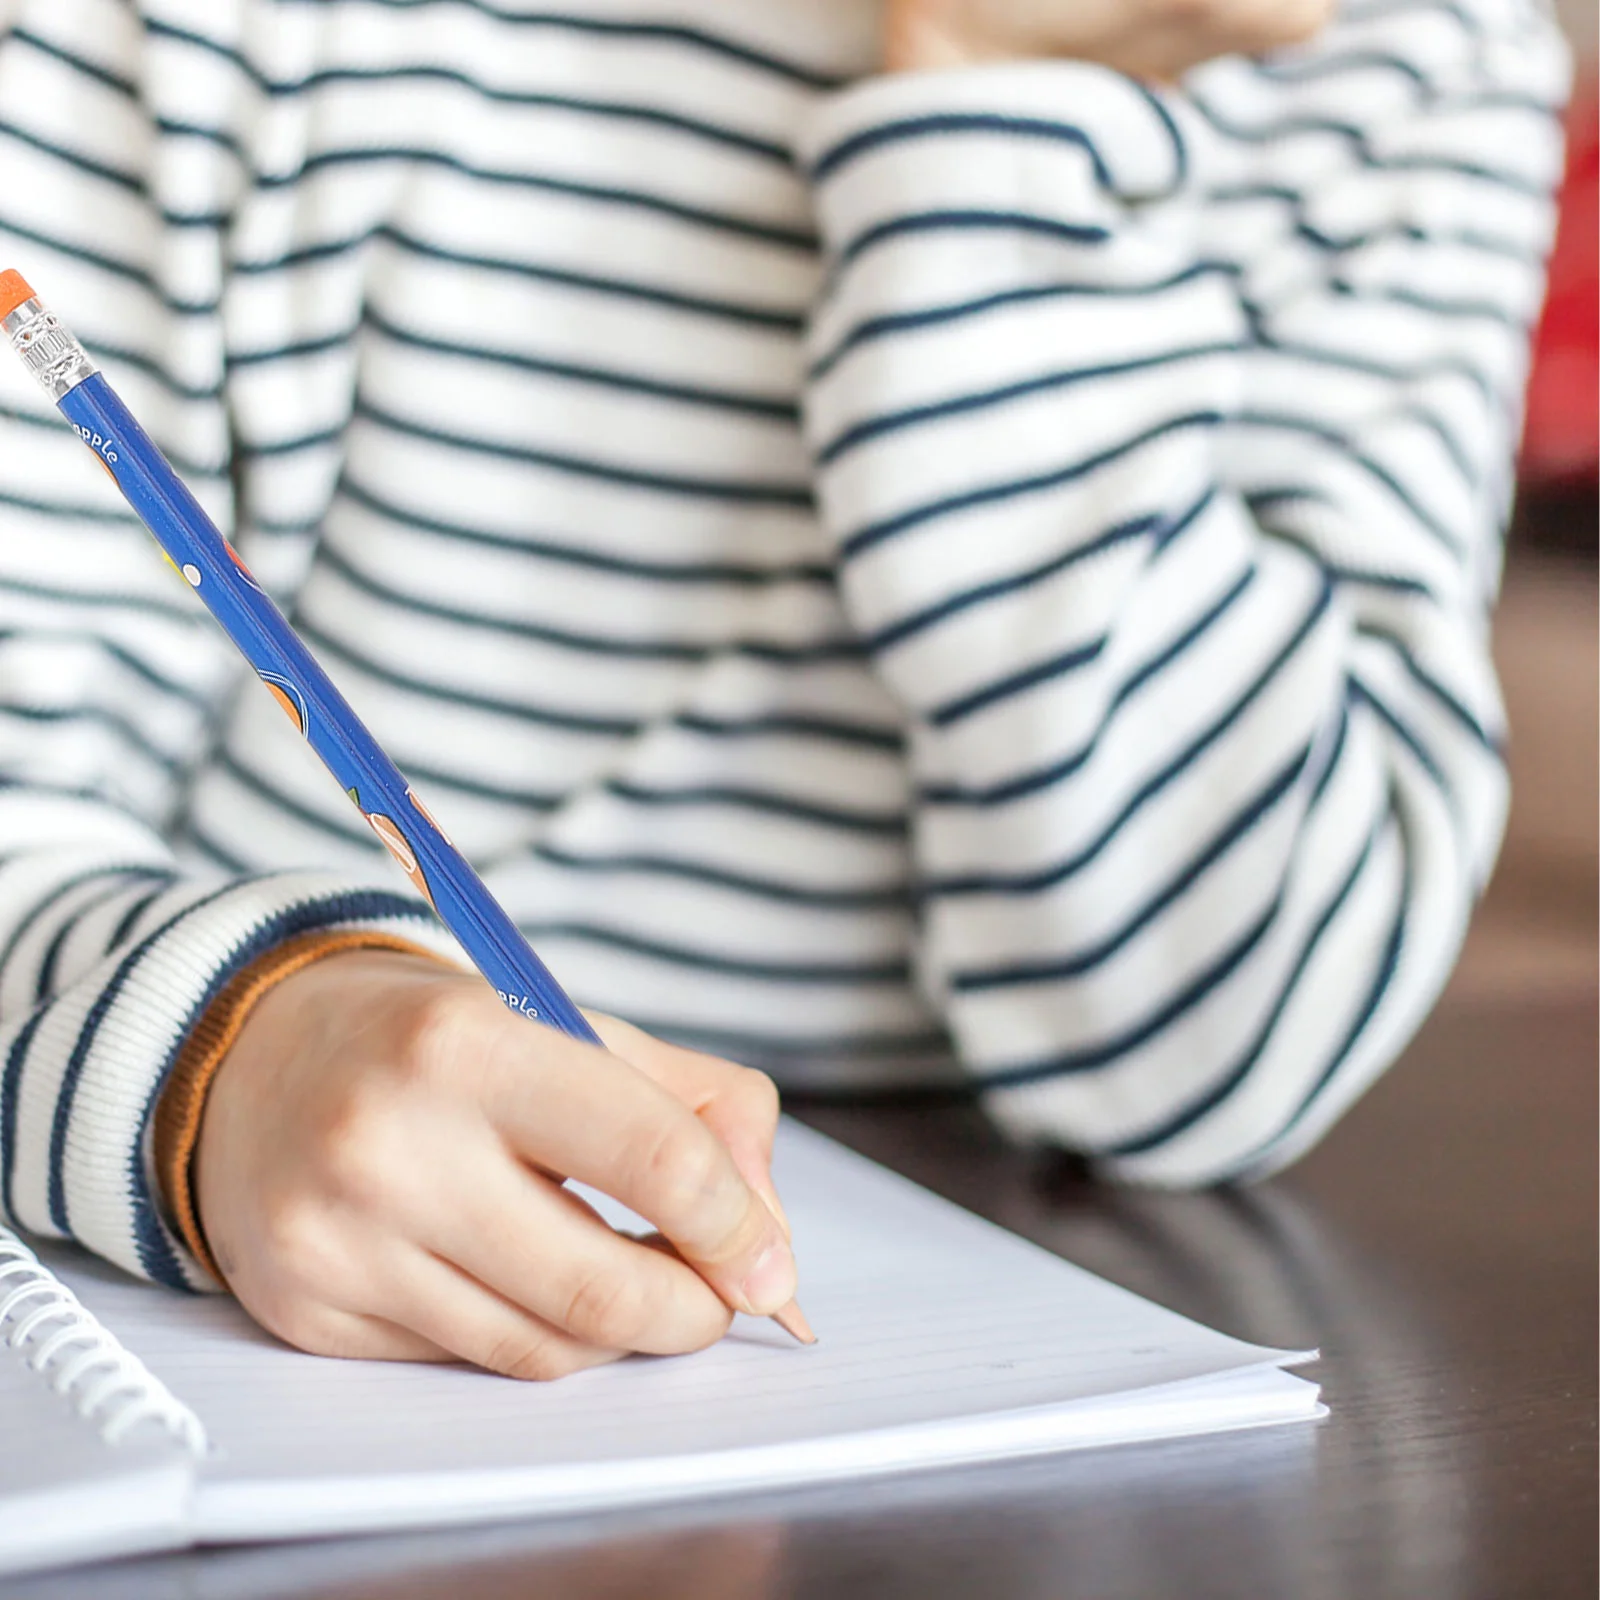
978, 576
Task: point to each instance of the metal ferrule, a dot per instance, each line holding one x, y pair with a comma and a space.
48, 351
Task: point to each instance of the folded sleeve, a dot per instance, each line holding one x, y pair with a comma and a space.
116, 192
1164, 444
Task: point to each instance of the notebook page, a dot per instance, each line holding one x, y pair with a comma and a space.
65, 1495
931, 1320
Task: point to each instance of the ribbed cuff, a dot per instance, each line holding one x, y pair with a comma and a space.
103, 1053
176, 1129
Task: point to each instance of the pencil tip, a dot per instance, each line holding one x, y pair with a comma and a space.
793, 1322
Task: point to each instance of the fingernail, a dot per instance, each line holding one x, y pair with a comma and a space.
771, 1283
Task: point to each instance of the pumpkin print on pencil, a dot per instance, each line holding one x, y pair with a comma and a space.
432, 821
289, 697
244, 571
396, 844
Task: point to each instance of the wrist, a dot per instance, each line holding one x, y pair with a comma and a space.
180, 1108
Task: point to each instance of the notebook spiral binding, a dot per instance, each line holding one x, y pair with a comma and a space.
59, 1338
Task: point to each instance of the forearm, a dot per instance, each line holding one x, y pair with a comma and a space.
1193, 645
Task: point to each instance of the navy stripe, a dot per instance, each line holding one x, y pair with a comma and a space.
1507, 249
781, 408
125, 923
888, 824
948, 713
973, 980
537, 800
1045, 777
1170, 1126
428, 690
1108, 1052
57, 892
1405, 735
1343, 576
79, 64
1335, 62
796, 496
96, 716
99, 645
129, 182
991, 494
155, 1254
10, 1092
776, 234
742, 574
776, 319
786, 723
345, 828
129, 273
1358, 146
45, 985
878, 327
1462, 308
1347, 451
1382, 978
195, 834
805, 1050
615, 727
610, 646
104, 515
125, 87
1046, 383
186, 465
954, 711
895, 971
903, 628
1436, 691
1412, 374
942, 124
429, 72
914, 223
1334, 754
650, 32
893, 897
1025, 884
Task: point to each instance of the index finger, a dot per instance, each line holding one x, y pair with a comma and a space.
578, 1109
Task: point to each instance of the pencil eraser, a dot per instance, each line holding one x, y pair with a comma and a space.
13, 291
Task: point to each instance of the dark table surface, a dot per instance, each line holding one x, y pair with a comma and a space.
1440, 1248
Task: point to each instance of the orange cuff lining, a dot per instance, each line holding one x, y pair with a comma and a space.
183, 1097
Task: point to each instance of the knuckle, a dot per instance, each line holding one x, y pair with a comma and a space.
679, 1166
304, 1324
710, 1327
298, 1240
355, 1158
758, 1094
434, 1029
527, 1355
605, 1309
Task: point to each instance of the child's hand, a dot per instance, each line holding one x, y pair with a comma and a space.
379, 1175
1144, 38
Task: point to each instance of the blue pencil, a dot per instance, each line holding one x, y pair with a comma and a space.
260, 630
212, 567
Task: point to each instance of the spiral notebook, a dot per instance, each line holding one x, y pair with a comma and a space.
133, 1419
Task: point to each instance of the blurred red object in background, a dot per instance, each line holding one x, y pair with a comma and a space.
1561, 443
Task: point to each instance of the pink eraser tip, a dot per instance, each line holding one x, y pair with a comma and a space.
13, 291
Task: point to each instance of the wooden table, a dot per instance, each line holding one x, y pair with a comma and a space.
1440, 1247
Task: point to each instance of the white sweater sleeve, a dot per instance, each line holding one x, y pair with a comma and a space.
110, 672
1164, 443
